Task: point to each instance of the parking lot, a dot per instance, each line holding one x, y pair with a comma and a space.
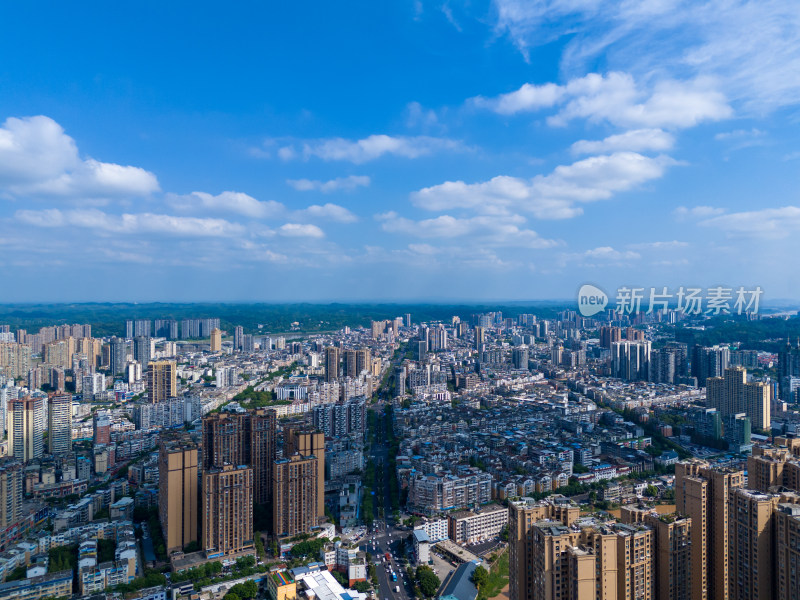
485, 548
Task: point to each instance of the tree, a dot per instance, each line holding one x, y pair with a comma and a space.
361, 586
428, 581
341, 578
651, 491
231, 596
480, 576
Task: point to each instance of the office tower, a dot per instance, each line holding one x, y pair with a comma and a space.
26, 423
672, 556
519, 357
102, 428
216, 340
238, 334
331, 363
11, 477
701, 493
349, 366
15, 359
408, 319
422, 350
709, 362
609, 335
141, 350
732, 394
480, 337
787, 551
630, 360
296, 495
298, 439
118, 356
162, 381
177, 490
227, 510
751, 544
59, 430
243, 439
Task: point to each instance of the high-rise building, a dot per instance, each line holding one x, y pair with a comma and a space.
238, 334
422, 350
331, 363
751, 545
480, 337
732, 394
788, 369
59, 420
787, 551
118, 355
295, 491
216, 340
519, 357
15, 359
101, 428
142, 350
709, 362
26, 424
166, 328
243, 439
138, 328
177, 490
298, 439
630, 360
11, 476
522, 516
671, 556
701, 493
609, 335
407, 319
162, 381
227, 510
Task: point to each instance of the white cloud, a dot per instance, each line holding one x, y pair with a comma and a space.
697, 212
636, 140
369, 148
553, 196
751, 46
489, 230
301, 230
768, 223
670, 245
738, 134
127, 223
601, 256
419, 116
348, 183
226, 202
527, 98
38, 159
330, 212
615, 98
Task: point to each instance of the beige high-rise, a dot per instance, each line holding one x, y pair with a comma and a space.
178, 490
26, 425
701, 493
732, 394
787, 551
751, 544
216, 340
308, 442
522, 516
672, 556
227, 510
295, 495
11, 476
162, 380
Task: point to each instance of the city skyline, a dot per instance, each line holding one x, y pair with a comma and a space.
496, 150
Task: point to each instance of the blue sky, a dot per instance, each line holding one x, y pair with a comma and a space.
405, 150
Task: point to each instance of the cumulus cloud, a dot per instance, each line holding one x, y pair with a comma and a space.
226, 202
142, 223
300, 230
330, 212
767, 223
348, 183
636, 140
601, 256
750, 46
553, 196
37, 158
369, 148
490, 230
616, 99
